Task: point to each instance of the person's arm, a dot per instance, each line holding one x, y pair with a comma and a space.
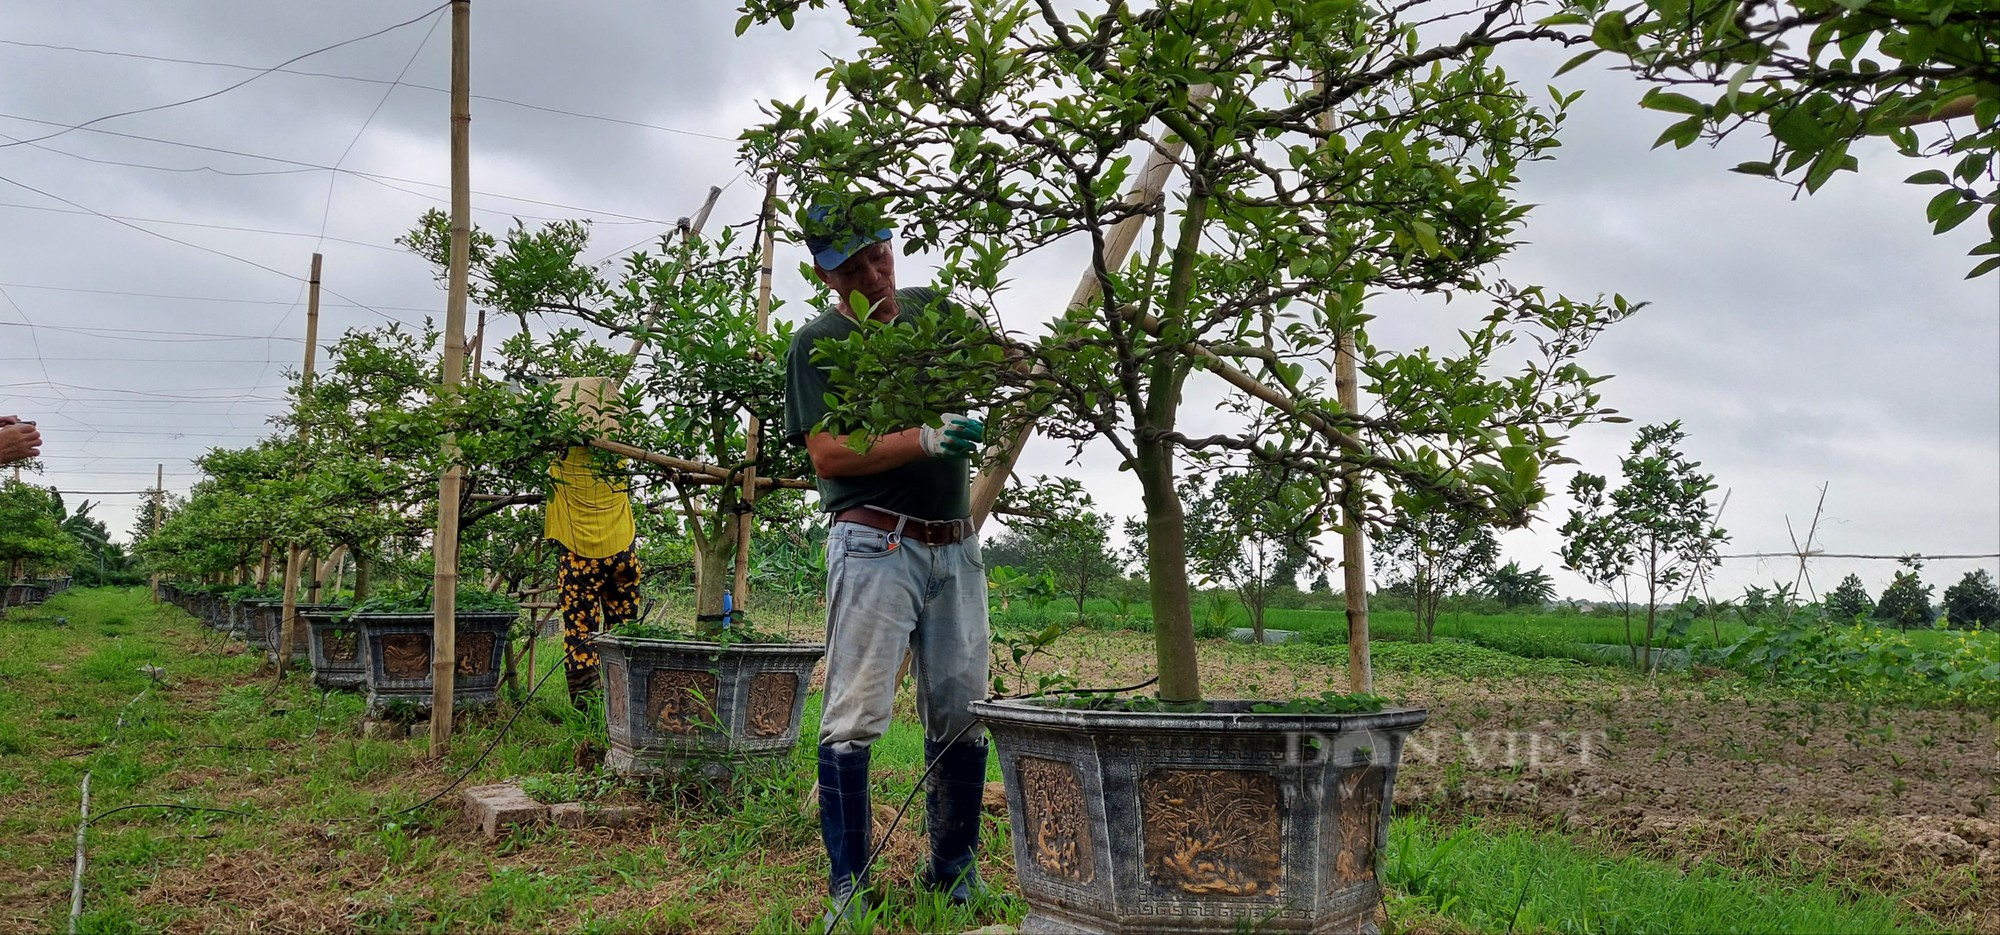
832, 458
19, 440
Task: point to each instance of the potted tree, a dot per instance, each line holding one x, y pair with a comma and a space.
368, 476
1329, 157
31, 541
699, 383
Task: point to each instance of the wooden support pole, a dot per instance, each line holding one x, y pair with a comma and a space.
288, 619
444, 593
1000, 457
159, 500
477, 350
1353, 543
264, 567
752, 440
689, 229
1353, 563
328, 573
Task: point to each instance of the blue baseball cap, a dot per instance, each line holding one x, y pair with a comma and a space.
832, 238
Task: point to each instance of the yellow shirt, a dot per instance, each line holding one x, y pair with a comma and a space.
589, 515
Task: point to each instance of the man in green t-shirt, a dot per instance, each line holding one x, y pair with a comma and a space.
903, 574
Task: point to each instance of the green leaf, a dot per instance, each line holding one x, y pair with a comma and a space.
1578, 60
1756, 168
1982, 269
1658, 99
1955, 215
1929, 177
1681, 134
1798, 129
1612, 31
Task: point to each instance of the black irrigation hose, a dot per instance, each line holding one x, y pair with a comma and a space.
875, 854
169, 805
481, 758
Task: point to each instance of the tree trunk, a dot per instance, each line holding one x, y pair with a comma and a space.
1166, 563
715, 566
363, 569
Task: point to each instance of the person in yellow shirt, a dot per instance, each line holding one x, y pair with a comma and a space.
597, 576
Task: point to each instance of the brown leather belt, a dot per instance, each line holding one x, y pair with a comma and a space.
928, 532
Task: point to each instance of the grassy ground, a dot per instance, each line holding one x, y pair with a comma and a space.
326, 830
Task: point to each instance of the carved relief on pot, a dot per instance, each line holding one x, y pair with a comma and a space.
1058, 826
616, 685
473, 653
406, 655
1360, 808
772, 695
681, 701
1212, 832
341, 645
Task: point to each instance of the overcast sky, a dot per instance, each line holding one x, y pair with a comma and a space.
152, 265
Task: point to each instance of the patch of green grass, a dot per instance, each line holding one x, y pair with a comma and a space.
1540, 882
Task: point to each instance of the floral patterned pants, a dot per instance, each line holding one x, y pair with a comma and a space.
596, 593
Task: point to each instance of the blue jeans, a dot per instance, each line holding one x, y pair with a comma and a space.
885, 594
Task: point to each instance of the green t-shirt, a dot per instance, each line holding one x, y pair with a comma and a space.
928, 488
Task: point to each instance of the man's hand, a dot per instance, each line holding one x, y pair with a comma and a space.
19, 440
959, 437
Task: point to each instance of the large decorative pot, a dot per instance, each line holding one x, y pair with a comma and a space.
241, 617
396, 658
217, 610
257, 617
24, 594
1220, 821
670, 704
336, 649
54, 586
274, 623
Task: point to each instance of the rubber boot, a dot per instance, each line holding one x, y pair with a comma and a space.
953, 800
846, 824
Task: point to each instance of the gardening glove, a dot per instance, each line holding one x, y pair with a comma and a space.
959, 437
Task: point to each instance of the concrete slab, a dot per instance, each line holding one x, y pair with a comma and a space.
501, 807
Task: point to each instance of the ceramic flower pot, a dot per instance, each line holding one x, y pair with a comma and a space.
670, 703
1221, 821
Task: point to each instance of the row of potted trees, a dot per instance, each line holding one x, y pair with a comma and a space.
1313, 181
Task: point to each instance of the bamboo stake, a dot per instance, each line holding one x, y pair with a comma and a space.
264, 567
288, 616
1354, 568
703, 473
444, 592
1353, 544
752, 435
477, 349
1001, 456
329, 569
76, 879
689, 229
159, 498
